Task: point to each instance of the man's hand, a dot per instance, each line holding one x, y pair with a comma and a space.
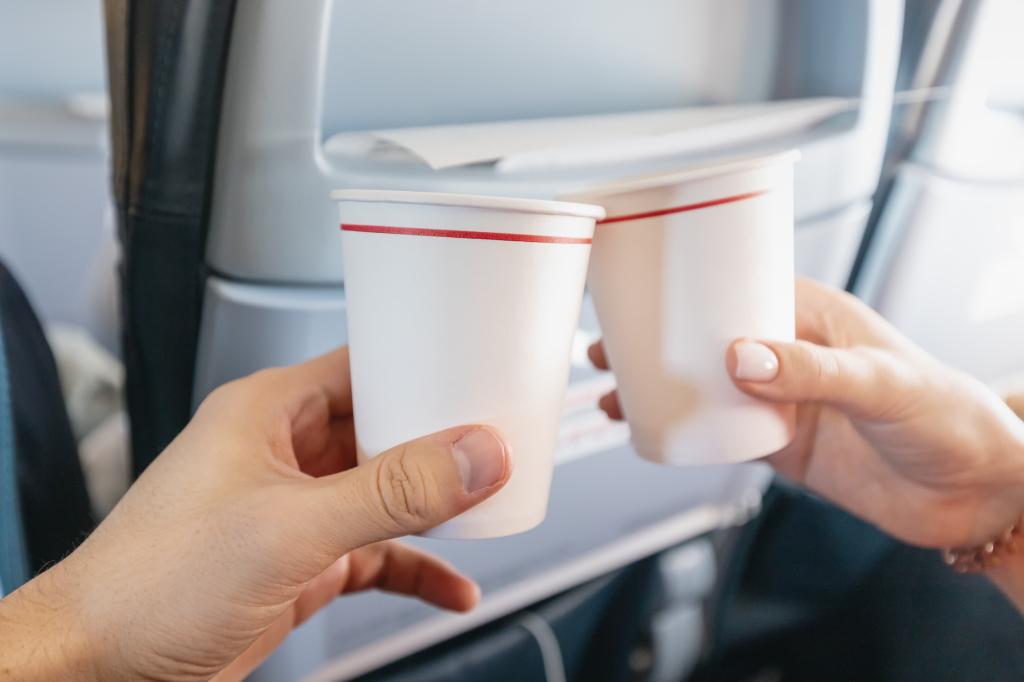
251, 520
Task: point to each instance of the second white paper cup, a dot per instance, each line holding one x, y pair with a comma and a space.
684, 264
462, 310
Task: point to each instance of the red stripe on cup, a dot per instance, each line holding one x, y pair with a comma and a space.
684, 209
466, 234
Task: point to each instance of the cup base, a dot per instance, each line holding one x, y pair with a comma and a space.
473, 529
695, 457
746, 442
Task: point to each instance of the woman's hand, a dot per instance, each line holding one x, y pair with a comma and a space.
250, 521
924, 452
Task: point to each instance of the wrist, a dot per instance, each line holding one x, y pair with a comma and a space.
1000, 499
1008, 573
43, 636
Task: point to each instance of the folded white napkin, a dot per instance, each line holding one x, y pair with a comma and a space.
517, 146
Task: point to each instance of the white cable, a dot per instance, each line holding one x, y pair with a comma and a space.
547, 641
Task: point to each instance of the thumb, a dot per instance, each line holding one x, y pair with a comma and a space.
411, 487
851, 380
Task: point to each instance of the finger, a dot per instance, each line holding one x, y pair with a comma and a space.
857, 382
817, 305
815, 297
321, 590
401, 569
312, 401
811, 326
329, 375
312, 392
408, 489
327, 449
812, 293
1016, 403
597, 356
836, 318
610, 404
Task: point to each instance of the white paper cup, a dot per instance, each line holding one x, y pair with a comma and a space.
683, 264
461, 310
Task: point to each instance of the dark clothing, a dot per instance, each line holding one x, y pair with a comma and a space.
54, 504
821, 595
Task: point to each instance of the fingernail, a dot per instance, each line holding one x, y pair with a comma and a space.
609, 404
755, 362
480, 455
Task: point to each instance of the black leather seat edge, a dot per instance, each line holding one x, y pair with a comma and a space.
166, 63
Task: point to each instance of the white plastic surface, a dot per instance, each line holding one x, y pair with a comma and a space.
272, 221
453, 61
826, 247
50, 49
977, 134
246, 328
948, 270
683, 265
469, 321
54, 204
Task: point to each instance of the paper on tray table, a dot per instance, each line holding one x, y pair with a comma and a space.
528, 144
719, 127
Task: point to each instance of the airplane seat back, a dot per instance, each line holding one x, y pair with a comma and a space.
944, 264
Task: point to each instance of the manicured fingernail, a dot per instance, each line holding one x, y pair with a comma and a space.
480, 455
609, 403
755, 362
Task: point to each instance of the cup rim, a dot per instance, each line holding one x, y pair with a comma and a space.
708, 170
513, 204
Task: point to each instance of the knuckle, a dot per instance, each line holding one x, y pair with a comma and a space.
824, 367
243, 386
403, 490
266, 377
833, 328
235, 397
222, 399
829, 367
847, 299
218, 396
896, 385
